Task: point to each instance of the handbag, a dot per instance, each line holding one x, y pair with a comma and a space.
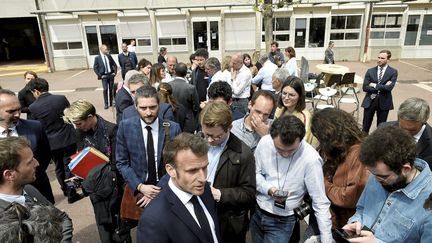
129, 209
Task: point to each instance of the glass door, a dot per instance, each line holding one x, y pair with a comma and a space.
97, 35
206, 35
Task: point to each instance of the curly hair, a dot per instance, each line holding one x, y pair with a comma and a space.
391, 145
336, 131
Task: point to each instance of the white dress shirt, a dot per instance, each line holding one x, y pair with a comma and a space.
241, 84
264, 76
14, 132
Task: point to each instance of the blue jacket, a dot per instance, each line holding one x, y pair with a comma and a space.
131, 159
398, 216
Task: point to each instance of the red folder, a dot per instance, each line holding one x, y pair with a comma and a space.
85, 160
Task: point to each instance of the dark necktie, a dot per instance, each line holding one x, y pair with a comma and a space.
151, 158
106, 64
202, 219
380, 74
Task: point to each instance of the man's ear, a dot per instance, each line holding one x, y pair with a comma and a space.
8, 175
406, 168
170, 170
249, 105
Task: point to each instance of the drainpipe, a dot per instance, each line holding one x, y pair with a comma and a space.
43, 30
368, 26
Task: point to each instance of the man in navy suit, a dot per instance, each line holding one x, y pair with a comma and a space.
140, 140
185, 210
378, 83
124, 97
48, 109
127, 60
105, 69
10, 111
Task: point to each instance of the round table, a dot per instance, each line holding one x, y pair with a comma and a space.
332, 68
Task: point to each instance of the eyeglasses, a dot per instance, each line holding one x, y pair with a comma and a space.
213, 137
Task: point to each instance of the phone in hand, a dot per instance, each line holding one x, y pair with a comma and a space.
341, 235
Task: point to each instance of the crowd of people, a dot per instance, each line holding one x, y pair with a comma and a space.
213, 149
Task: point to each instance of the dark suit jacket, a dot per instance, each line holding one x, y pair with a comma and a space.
26, 98
99, 67
384, 91
48, 109
166, 219
34, 132
130, 149
122, 61
187, 95
165, 112
424, 144
122, 101
235, 178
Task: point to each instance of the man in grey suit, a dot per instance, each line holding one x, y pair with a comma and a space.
413, 115
187, 95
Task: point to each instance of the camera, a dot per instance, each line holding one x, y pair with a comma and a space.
302, 211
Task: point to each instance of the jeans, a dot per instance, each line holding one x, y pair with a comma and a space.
270, 229
240, 105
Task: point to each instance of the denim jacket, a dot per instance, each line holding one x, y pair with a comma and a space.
398, 216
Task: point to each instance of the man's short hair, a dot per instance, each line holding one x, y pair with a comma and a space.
280, 74
10, 153
129, 74
266, 94
184, 141
146, 91
138, 78
31, 73
143, 63
42, 223
181, 70
386, 52
391, 145
162, 50
220, 89
213, 63
78, 110
7, 92
275, 43
263, 58
288, 128
201, 52
216, 114
39, 84
414, 109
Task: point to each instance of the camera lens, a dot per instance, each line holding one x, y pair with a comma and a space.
302, 211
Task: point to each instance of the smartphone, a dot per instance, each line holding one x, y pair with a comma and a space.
341, 235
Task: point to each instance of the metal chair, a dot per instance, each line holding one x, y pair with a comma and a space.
346, 88
325, 94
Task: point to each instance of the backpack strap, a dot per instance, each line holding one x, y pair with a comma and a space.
166, 125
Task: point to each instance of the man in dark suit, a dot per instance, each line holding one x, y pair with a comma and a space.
199, 76
105, 69
33, 131
184, 211
127, 60
231, 172
187, 95
140, 140
378, 83
124, 97
48, 109
413, 115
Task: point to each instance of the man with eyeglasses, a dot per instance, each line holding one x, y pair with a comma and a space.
231, 172
17, 171
256, 123
287, 168
390, 208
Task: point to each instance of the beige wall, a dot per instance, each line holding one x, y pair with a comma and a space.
10, 9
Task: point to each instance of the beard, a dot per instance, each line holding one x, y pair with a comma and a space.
401, 182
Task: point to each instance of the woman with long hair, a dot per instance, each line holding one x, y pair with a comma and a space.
291, 65
344, 175
293, 101
157, 74
247, 61
165, 95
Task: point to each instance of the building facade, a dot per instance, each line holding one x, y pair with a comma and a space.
76, 29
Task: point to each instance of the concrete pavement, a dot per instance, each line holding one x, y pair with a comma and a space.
415, 80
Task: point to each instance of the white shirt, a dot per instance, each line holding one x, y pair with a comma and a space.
241, 84
185, 198
227, 75
291, 66
420, 133
131, 48
13, 198
220, 76
264, 76
14, 132
155, 134
168, 78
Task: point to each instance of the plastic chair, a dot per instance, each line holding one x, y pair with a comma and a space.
326, 94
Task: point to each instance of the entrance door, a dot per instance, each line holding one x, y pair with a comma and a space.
206, 35
418, 37
97, 35
309, 37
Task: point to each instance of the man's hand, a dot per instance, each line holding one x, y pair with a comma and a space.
259, 126
354, 227
216, 194
373, 85
388, 83
272, 190
203, 103
365, 237
233, 74
143, 202
149, 191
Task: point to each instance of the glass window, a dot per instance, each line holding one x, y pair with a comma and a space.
92, 40
179, 41
412, 30
144, 42
352, 36
164, 41
377, 34
392, 35
109, 38
281, 24
353, 22
426, 32
75, 45
338, 22
336, 36
394, 21
281, 37
60, 46
214, 35
378, 21
316, 32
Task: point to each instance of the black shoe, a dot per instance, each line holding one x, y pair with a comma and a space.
105, 107
74, 198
